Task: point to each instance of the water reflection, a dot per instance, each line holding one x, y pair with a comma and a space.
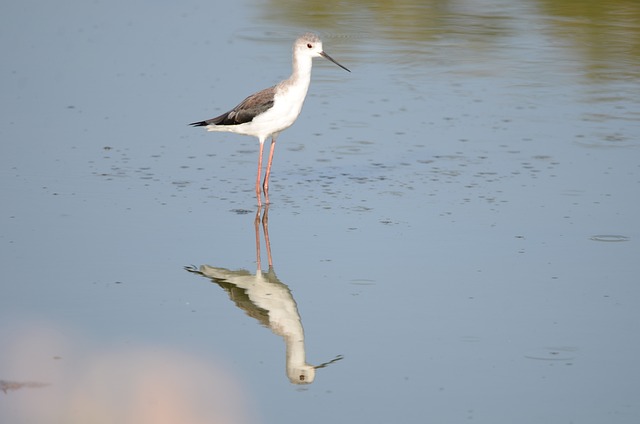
264, 297
51, 372
605, 35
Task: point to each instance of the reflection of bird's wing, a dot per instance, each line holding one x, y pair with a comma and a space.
235, 283
224, 274
261, 296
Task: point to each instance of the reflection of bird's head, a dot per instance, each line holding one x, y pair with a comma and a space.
304, 374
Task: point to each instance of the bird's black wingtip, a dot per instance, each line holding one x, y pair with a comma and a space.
199, 124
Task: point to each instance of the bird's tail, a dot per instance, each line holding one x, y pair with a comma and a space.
199, 124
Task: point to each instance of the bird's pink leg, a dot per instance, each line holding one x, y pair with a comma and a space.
258, 193
265, 186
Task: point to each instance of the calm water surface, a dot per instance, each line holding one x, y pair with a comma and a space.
453, 233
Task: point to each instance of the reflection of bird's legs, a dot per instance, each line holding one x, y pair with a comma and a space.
265, 227
256, 224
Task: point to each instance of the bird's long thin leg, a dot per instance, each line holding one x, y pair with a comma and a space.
265, 186
258, 193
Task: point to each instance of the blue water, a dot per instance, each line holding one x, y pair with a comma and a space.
456, 219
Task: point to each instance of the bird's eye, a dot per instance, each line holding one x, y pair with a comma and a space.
309, 45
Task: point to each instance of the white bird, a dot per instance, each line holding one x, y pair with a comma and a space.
270, 111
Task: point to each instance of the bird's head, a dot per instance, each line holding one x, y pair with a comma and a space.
310, 45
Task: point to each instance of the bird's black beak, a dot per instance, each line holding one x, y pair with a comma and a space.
326, 56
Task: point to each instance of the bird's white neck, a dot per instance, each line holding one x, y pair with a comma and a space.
301, 69
294, 89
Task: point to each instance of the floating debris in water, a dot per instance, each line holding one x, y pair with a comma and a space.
609, 238
5, 385
565, 353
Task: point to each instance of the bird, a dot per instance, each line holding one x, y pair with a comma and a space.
270, 111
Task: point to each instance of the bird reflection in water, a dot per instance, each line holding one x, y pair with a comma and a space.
264, 297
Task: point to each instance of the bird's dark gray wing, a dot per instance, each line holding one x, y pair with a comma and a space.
248, 109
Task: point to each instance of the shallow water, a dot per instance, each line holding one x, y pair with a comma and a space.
455, 220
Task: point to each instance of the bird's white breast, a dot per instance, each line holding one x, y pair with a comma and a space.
286, 108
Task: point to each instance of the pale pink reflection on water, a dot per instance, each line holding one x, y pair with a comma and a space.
58, 379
